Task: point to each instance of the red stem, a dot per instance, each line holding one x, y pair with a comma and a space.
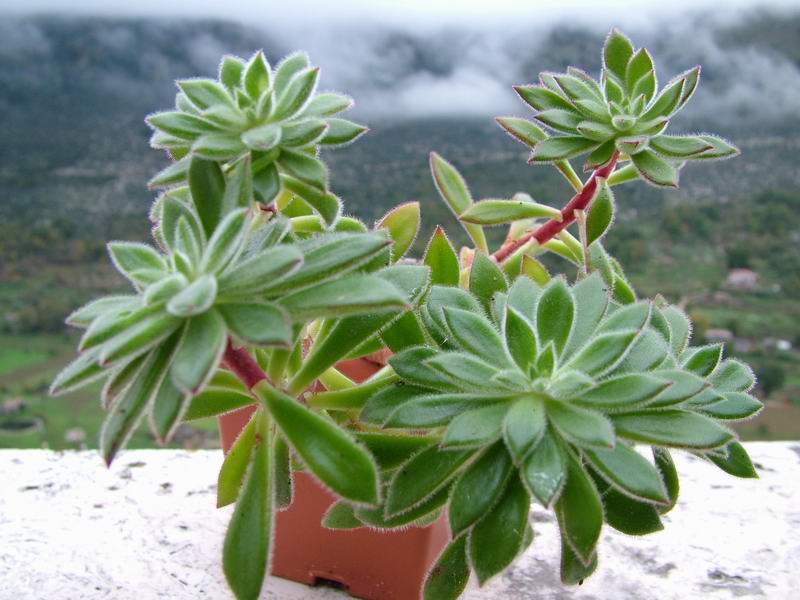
551, 228
243, 365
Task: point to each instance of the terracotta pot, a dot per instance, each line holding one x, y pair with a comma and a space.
367, 563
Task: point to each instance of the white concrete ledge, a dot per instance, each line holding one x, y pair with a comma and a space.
147, 528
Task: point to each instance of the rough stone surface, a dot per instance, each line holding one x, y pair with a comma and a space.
147, 528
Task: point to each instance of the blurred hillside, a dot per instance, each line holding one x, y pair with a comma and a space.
74, 161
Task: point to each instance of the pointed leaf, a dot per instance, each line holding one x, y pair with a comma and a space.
523, 427
332, 455
442, 259
454, 192
544, 471
257, 323
497, 539
580, 511
476, 427
246, 550
478, 488
654, 169
422, 476
631, 472
200, 352
672, 428
403, 223
448, 577
586, 428
486, 279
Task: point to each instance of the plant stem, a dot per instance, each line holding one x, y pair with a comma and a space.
551, 228
243, 366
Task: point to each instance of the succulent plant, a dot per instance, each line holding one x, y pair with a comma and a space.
506, 384
542, 393
249, 281
273, 117
622, 114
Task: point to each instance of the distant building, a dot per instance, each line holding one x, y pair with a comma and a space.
12, 406
742, 279
719, 335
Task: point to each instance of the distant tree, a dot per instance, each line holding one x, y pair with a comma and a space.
738, 257
771, 377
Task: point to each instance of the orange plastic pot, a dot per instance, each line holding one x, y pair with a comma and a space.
368, 563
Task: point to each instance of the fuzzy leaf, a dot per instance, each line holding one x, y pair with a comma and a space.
672, 428
520, 339
478, 488
654, 169
585, 428
720, 149
246, 549
264, 137
496, 540
342, 131
542, 98
194, 299
302, 133
591, 301
169, 406
214, 401
448, 577
128, 410
226, 242
475, 335
627, 469
200, 352
544, 471
679, 146
341, 516
732, 375
601, 214
355, 294
403, 223
624, 391
442, 259
332, 455
306, 168
734, 460
523, 130
422, 476
234, 467
703, 360
486, 279
736, 406
329, 256
207, 185
604, 352
454, 192
324, 105
626, 514
580, 511
261, 270
561, 148
257, 323
287, 69
298, 91
555, 314
476, 427
617, 51
497, 212
523, 427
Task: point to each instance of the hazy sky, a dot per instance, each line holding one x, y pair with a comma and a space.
484, 44
424, 12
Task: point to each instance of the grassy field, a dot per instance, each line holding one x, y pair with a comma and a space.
27, 365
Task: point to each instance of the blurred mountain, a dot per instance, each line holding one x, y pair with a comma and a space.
73, 93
